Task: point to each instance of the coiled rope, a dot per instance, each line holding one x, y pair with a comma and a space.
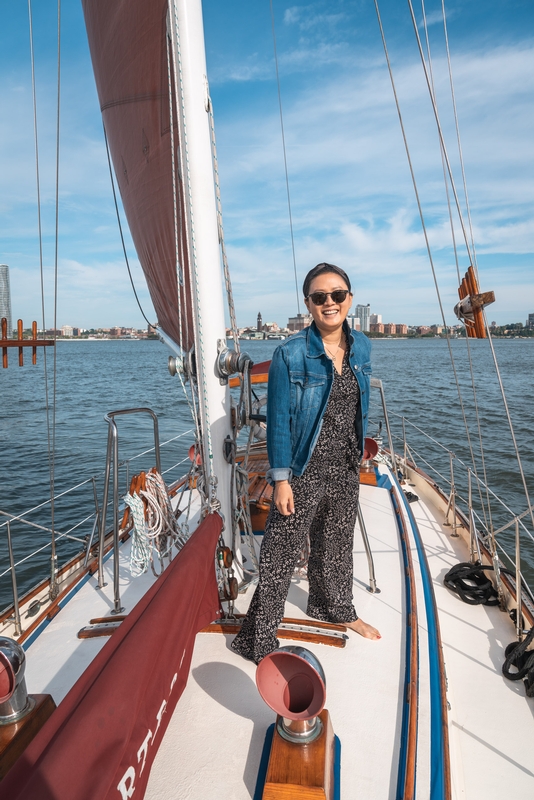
470, 583
155, 527
517, 656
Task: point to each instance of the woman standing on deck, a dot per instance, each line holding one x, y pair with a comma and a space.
318, 398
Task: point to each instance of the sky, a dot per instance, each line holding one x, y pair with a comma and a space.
352, 198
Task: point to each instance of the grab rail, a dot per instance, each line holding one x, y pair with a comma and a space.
113, 456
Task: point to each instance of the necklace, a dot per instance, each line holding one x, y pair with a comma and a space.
330, 353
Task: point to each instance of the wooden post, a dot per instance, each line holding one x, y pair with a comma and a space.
20, 336
34, 348
302, 771
4, 336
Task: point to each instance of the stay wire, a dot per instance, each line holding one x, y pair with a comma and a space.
151, 324
455, 249
425, 233
285, 157
179, 272
489, 336
54, 590
40, 235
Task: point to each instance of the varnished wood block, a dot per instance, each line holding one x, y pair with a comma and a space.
368, 477
302, 771
14, 738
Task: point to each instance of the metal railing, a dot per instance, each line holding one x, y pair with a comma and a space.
81, 532
461, 496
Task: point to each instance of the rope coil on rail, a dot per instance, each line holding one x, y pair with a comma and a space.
517, 656
470, 583
155, 527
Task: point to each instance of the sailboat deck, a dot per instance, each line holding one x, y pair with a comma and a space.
366, 688
363, 691
489, 757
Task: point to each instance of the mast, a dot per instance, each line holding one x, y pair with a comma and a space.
192, 102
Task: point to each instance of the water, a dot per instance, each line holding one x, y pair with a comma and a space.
98, 376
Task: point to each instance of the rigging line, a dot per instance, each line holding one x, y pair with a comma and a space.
440, 131
460, 151
40, 234
285, 157
54, 590
425, 233
453, 236
227, 280
152, 325
179, 271
497, 370
185, 250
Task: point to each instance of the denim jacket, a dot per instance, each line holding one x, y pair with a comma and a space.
300, 380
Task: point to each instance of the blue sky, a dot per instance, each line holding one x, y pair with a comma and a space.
352, 199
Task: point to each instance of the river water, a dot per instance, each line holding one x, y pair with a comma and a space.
94, 377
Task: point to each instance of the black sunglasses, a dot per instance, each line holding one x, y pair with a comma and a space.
319, 298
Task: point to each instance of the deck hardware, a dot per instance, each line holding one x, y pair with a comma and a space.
112, 460
292, 682
15, 703
372, 578
18, 627
474, 547
33, 608
518, 584
230, 362
96, 524
376, 383
451, 506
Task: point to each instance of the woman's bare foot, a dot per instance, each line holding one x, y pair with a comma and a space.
365, 630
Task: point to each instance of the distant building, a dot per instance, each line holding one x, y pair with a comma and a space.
376, 327
271, 327
530, 320
299, 322
354, 323
363, 313
259, 325
375, 319
437, 329
422, 330
5, 299
401, 330
390, 329
67, 330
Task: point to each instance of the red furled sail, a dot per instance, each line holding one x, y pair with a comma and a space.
102, 739
128, 43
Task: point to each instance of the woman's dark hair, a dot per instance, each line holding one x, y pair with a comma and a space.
319, 270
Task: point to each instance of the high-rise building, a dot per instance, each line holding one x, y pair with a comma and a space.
5, 299
530, 321
354, 323
364, 313
375, 319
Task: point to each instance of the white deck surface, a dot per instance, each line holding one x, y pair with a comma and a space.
214, 742
491, 719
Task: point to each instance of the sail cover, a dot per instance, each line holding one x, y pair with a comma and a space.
101, 740
128, 43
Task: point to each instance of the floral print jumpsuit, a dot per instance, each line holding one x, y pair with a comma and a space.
326, 505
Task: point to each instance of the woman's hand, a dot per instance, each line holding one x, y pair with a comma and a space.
283, 498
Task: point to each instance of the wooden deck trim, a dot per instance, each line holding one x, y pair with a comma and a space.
432, 612
407, 768
283, 633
